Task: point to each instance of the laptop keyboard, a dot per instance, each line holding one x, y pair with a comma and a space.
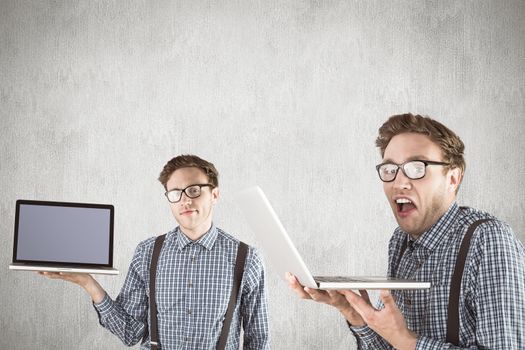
338, 279
346, 279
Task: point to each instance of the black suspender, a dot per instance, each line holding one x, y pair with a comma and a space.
242, 252
154, 334
455, 284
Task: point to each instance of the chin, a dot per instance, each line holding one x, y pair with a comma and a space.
407, 228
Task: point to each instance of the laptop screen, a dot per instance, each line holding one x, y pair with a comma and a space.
63, 233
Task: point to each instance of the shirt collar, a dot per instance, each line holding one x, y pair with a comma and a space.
207, 240
433, 237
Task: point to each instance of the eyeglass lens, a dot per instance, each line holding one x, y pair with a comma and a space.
191, 192
413, 170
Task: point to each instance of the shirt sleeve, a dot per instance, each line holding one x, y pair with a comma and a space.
254, 305
496, 287
126, 317
367, 338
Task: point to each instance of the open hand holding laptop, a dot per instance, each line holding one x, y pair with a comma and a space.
358, 310
330, 297
84, 280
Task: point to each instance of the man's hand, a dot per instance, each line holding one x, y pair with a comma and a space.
328, 297
389, 323
84, 280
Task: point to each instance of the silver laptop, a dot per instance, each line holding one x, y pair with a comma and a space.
284, 257
63, 237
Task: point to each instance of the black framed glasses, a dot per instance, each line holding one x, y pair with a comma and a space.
413, 169
191, 191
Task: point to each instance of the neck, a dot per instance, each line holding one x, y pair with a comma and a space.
196, 233
439, 213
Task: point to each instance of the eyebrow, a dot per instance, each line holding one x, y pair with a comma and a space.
180, 189
419, 157
173, 189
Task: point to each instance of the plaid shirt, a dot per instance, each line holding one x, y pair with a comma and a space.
194, 281
492, 300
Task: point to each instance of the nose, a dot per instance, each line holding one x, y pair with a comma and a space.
402, 182
185, 199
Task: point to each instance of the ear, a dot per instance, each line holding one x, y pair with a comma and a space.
215, 194
454, 178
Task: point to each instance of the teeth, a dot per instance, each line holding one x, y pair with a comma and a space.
403, 201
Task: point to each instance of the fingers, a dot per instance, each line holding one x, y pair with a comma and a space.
365, 296
333, 293
338, 300
318, 295
65, 276
360, 303
296, 287
388, 299
321, 296
55, 275
52, 275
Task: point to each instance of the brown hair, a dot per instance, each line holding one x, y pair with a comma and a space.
189, 161
449, 143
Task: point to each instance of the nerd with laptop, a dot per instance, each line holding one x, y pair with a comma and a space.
71, 241
456, 275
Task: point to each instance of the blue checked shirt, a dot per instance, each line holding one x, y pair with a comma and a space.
492, 299
194, 281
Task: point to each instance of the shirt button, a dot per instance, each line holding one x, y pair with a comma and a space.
189, 311
408, 302
193, 258
190, 285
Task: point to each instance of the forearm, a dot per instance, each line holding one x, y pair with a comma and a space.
114, 318
95, 290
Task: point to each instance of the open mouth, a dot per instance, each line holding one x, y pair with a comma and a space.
404, 205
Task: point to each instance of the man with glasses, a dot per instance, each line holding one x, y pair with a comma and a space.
477, 294
194, 279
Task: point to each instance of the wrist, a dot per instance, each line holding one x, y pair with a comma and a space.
95, 291
352, 317
408, 342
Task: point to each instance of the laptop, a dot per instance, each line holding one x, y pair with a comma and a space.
284, 257
63, 237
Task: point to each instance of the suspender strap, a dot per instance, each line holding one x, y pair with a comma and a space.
239, 270
154, 334
455, 285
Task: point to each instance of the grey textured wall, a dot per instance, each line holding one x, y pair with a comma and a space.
97, 95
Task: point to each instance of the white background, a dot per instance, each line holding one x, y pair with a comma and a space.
97, 95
